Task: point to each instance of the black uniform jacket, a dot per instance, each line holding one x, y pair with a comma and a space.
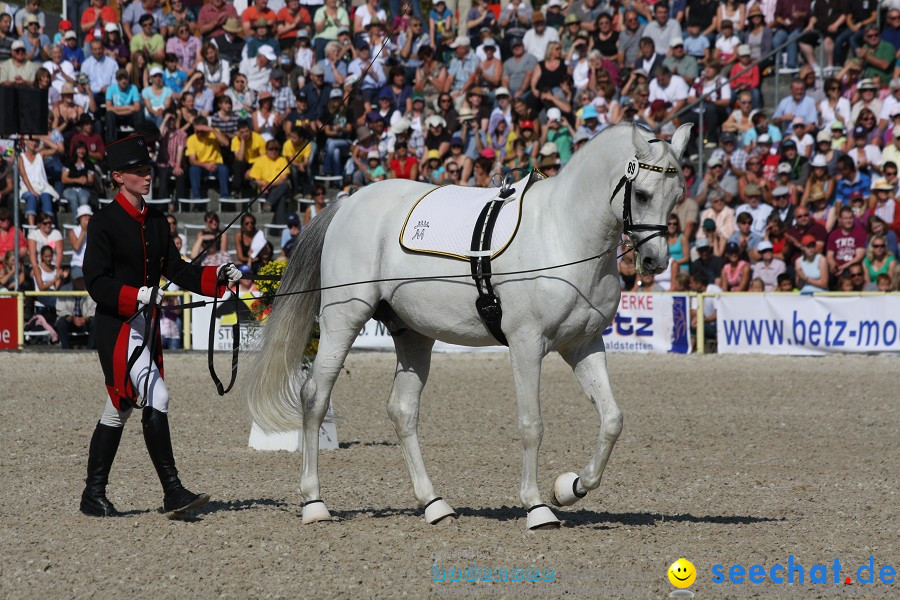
128, 249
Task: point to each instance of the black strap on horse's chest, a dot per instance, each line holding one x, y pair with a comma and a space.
487, 303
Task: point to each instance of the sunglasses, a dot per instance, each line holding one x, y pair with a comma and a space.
318, 194
46, 222
878, 246
856, 275
890, 173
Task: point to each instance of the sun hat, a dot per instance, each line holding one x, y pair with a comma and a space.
82, 211
764, 246
818, 161
489, 153
462, 40
548, 149
434, 155
808, 240
589, 112
784, 167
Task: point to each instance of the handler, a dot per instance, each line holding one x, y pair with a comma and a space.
129, 248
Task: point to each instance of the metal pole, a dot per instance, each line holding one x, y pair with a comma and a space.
16, 206
701, 141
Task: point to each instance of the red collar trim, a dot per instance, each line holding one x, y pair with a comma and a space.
137, 215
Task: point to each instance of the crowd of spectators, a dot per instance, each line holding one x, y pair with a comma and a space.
799, 195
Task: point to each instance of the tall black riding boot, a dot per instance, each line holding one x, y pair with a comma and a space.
104, 444
176, 499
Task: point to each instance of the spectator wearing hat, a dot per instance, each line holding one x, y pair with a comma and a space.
66, 113
560, 133
681, 63
72, 52
589, 122
518, 70
461, 73
18, 70
768, 268
749, 80
229, 42
337, 122
489, 73
156, 97
802, 139
214, 16
720, 213
717, 178
375, 77
292, 230
810, 267
258, 70
35, 42
799, 165
761, 126
866, 155
539, 36
516, 18
707, 261
78, 240
123, 106
327, 20
733, 157
797, 104
31, 12
93, 19
868, 99
882, 203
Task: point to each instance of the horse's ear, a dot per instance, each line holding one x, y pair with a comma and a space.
680, 140
641, 146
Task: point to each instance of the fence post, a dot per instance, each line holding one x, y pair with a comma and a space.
701, 334
186, 323
20, 315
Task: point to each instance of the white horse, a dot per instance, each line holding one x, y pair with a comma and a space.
572, 216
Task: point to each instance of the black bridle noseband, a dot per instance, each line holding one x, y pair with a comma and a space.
629, 228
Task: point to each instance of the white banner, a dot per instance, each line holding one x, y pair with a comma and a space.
644, 323
650, 323
807, 325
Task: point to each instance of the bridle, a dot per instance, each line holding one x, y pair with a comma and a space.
629, 228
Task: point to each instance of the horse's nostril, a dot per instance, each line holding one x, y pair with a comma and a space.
648, 263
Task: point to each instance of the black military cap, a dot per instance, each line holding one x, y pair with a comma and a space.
128, 153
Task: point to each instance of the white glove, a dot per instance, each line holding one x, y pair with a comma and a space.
230, 272
143, 296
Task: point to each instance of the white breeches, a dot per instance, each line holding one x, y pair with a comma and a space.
157, 393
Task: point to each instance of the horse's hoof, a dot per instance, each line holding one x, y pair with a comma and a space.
565, 492
314, 511
437, 510
541, 517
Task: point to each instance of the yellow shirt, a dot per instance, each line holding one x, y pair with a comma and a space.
289, 150
256, 148
204, 148
267, 169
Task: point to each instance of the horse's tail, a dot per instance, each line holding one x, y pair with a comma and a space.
272, 382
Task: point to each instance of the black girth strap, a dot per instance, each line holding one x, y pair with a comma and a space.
487, 303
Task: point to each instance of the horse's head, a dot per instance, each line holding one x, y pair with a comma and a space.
656, 185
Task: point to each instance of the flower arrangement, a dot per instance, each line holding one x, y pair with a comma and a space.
262, 306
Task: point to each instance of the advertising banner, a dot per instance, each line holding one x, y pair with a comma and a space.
650, 323
645, 323
9, 323
807, 325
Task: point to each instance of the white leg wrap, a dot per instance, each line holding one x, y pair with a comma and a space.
564, 490
436, 510
540, 515
314, 511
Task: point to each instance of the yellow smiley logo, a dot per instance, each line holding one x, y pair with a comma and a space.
682, 573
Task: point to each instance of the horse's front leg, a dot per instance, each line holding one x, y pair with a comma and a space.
526, 364
589, 364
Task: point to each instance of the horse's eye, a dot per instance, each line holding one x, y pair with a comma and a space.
642, 197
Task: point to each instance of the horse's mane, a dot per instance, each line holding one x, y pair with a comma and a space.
588, 150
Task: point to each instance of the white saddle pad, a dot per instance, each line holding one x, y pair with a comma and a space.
441, 222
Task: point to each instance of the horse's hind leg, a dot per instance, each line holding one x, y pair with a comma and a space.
338, 327
413, 364
589, 364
